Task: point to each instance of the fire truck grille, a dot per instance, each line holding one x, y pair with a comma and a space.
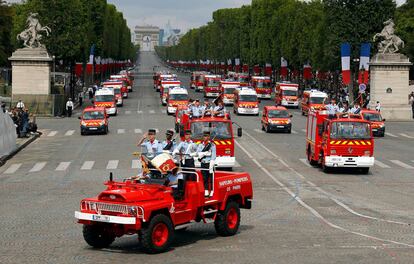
106, 207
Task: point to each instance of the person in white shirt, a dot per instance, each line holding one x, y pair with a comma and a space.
69, 107
378, 107
20, 105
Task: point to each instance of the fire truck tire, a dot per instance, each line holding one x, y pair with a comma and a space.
156, 237
289, 131
364, 170
311, 161
106, 130
267, 129
177, 128
228, 221
98, 236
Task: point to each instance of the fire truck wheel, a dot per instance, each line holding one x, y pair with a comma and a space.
325, 169
106, 130
311, 161
98, 236
267, 129
228, 221
177, 128
156, 237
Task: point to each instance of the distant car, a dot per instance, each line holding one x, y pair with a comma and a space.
94, 120
276, 118
376, 120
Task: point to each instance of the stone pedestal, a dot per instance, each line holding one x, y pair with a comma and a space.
389, 81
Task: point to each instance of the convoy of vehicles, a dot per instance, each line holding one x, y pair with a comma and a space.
276, 118
263, 86
197, 80
177, 97
313, 100
94, 120
211, 87
105, 97
286, 94
227, 89
246, 101
122, 85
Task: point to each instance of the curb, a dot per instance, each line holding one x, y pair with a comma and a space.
5, 158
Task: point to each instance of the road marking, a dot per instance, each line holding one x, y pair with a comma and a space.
121, 131
164, 111
402, 164
380, 164
390, 134
258, 130
139, 112
52, 134
407, 136
69, 132
128, 112
87, 165
237, 164
63, 166
138, 131
38, 167
303, 130
135, 164
294, 132
13, 168
112, 164
151, 111
305, 161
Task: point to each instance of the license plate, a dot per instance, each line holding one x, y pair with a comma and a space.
100, 218
374, 130
93, 128
280, 126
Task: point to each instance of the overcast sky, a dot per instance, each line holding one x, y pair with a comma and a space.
182, 14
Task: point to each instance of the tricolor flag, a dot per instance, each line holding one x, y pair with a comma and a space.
89, 66
346, 63
307, 71
268, 69
363, 63
283, 67
237, 63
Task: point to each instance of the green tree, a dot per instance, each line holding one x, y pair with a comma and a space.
6, 20
405, 27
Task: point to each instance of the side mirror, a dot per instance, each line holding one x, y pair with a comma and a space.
79, 117
290, 115
383, 119
239, 132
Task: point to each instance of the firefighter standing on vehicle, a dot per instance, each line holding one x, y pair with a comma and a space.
219, 110
332, 109
196, 110
186, 149
207, 154
152, 146
207, 108
169, 143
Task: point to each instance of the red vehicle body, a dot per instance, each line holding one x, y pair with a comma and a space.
181, 110
177, 97
276, 118
227, 91
116, 83
286, 94
159, 77
211, 85
221, 130
263, 86
154, 212
94, 120
243, 79
376, 120
345, 141
197, 80
165, 87
124, 77
313, 100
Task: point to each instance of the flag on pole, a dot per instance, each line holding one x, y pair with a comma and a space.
268, 69
346, 63
363, 63
307, 71
283, 67
89, 66
237, 63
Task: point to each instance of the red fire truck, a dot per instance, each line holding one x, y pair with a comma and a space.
115, 83
286, 94
159, 77
197, 80
227, 89
263, 86
243, 78
376, 120
313, 100
345, 141
211, 85
153, 210
166, 85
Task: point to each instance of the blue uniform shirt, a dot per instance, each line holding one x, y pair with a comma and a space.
186, 147
165, 143
174, 179
211, 156
196, 111
153, 148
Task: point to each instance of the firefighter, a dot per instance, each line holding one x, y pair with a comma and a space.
332, 109
207, 108
219, 110
187, 150
169, 143
196, 110
152, 146
378, 107
206, 155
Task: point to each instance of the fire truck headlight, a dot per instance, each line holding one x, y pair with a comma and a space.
102, 123
289, 121
83, 123
133, 210
367, 153
333, 152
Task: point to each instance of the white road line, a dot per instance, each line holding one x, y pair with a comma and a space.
237, 165
135, 164
294, 132
13, 168
69, 132
390, 134
38, 167
62, 166
151, 111
407, 136
380, 164
258, 130
402, 164
112, 164
121, 131
305, 161
303, 130
87, 165
164, 111
139, 112
52, 134
138, 131
128, 112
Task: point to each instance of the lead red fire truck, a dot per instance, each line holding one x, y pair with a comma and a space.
227, 89
344, 141
263, 86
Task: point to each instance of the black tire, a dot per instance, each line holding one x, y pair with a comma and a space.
364, 170
98, 236
177, 128
267, 129
146, 234
82, 133
312, 162
263, 128
289, 131
326, 169
106, 130
222, 225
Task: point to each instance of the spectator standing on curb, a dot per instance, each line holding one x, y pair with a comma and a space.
69, 107
411, 102
90, 92
25, 123
80, 97
3, 107
20, 105
378, 107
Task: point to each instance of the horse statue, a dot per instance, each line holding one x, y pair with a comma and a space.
390, 42
30, 36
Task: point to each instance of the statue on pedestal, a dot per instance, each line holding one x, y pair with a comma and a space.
31, 35
390, 42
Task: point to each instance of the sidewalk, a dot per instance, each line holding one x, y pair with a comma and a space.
21, 143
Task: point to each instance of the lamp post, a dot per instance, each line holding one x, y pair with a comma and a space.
54, 70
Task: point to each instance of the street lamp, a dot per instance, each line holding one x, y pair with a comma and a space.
54, 76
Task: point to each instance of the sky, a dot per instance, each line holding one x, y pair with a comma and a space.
182, 14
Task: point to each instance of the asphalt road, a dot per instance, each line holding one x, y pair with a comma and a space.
299, 215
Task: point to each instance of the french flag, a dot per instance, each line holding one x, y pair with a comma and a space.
307, 71
268, 69
346, 63
363, 63
283, 67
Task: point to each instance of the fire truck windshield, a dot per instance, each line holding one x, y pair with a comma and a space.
248, 98
317, 100
376, 117
179, 97
263, 84
243, 79
229, 90
213, 82
278, 114
93, 115
350, 130
218, 130
289, 93
117, 90
104, 98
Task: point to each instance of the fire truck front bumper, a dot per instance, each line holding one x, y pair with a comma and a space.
199, 88
264, 96
248, 111
212, 94
105, 218
290, 103
111, 110
341, 161
228, 101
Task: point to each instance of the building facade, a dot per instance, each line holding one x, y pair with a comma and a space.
147, 37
